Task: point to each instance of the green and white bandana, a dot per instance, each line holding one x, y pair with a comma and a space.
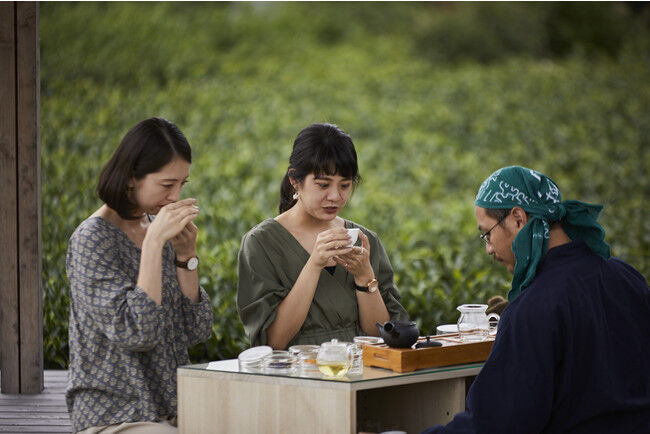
538, 195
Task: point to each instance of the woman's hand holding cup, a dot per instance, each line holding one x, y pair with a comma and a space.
328, 244
357, 261
175, 221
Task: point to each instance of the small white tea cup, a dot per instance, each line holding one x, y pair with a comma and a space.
354, 235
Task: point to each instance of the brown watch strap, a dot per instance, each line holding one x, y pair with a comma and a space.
184, 264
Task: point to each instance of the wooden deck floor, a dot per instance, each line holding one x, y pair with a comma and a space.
42, 413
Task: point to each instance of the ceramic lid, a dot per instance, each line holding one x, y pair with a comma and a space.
334, 343
255, 353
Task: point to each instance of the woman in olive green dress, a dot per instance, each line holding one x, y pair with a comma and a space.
298, 282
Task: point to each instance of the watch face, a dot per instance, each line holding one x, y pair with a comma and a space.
192, 263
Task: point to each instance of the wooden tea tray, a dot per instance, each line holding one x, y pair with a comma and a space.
452, 352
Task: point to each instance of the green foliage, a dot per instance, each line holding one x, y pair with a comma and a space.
491, 32
241, 79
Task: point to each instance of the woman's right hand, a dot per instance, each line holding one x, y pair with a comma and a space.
328, 244
171, 219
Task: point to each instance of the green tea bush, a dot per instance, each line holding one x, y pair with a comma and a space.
489, 32
241, 79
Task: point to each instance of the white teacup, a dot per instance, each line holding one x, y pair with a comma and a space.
354, 235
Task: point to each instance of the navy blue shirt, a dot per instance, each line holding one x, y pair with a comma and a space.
571, 355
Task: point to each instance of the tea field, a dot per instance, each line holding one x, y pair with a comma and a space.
241, 79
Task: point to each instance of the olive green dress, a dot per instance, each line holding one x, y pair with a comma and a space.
270, 261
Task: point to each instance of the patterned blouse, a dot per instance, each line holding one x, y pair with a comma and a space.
124, 348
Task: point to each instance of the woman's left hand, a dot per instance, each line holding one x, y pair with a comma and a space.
185, 242
357, 262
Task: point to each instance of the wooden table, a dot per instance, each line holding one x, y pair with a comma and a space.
224, 400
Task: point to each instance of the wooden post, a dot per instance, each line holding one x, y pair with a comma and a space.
21, 310
9, 328
29, 198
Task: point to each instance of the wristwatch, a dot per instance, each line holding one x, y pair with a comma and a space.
368, 287
190, 264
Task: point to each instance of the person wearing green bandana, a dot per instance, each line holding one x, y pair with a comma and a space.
572, 350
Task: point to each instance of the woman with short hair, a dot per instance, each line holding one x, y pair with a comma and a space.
135, 300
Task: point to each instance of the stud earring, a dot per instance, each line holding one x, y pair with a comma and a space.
296, 195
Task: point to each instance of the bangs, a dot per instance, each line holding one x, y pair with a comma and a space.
331, 160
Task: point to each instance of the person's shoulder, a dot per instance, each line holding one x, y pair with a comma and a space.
94, 233
263, 227
622, 268
618, 263
261, 231
580, 264
569, 276
94, 228
567, 262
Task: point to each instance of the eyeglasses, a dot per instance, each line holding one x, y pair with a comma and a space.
485, 236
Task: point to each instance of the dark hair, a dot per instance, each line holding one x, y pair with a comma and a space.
498, 213
146, 148
321, 149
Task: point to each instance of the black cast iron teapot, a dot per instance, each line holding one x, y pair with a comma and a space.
399, 334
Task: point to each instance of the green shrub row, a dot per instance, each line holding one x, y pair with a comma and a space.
241, 80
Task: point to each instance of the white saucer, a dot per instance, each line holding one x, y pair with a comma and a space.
443, 329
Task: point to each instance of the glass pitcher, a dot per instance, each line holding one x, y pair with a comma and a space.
334, 358
473, 324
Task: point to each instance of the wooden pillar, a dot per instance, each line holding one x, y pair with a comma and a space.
9, 350
21, 308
